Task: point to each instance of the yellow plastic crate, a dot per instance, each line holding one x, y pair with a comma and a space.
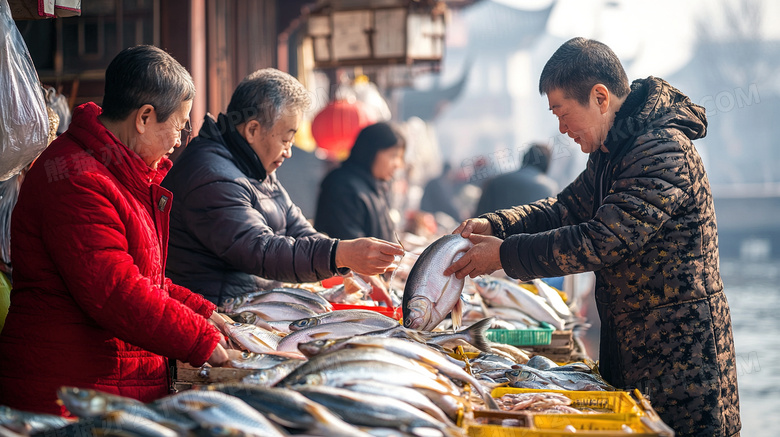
621, 416
618, 404
584, 427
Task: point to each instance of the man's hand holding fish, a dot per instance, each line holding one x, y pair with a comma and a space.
482, 259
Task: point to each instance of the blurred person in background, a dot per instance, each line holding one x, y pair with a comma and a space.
354, 199
641, 217
440, 192
526, 185
91, 306
234, 228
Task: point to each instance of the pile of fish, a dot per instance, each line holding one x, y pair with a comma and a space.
537, 402
538, 373
354, 386
322, 372
516, 304
429, 297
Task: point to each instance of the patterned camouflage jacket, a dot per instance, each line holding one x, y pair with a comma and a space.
641, 217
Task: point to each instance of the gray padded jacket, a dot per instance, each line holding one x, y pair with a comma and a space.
232, 233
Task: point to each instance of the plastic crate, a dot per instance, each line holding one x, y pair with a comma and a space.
620, 415
584, 426
611, 404
394, 312
523, 337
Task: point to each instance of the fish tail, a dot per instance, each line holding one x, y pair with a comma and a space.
477, 334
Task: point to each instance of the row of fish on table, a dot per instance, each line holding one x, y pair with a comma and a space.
319, 371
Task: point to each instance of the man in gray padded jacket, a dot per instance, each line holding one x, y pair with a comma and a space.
233, 226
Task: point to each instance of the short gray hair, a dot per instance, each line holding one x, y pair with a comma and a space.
145, 75
265, 95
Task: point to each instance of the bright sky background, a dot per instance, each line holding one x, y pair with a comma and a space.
657, 35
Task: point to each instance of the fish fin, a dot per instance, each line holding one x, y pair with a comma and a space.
263, 342
318, 411
477, 332
281, 421
195, 405
457, 314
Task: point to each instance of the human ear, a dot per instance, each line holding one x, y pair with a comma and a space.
600, 95
251, 131
143, 117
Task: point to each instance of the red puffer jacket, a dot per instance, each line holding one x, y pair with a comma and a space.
91, 306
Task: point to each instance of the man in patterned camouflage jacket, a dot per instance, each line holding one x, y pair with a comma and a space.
641, 217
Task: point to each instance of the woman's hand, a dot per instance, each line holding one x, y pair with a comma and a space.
221, 357
219, 320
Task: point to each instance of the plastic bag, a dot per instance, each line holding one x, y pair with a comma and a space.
24, 122
9, 192
59, 104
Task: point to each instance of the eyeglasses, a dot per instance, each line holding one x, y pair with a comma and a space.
185, 133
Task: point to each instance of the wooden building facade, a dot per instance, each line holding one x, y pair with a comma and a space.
218, 41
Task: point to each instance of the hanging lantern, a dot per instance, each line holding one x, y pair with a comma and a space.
336, 127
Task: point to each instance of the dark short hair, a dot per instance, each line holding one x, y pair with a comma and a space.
264, 95
538, 155
145, 75
578, 65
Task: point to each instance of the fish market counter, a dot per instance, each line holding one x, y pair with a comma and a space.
521, 411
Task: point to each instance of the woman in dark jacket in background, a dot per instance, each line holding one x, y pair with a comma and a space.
354, 199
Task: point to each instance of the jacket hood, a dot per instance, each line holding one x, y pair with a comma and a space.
654, 102
223, 131
87, 130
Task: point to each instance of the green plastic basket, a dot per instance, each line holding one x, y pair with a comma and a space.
523, 337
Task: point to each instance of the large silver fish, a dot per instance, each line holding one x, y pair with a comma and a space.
473, 335
24, 422
214, 408
117, 423
230, 304
290, 409
270, 311
365, 317
409, 395
371, 410
252, 338
90, 403
429, 295
325, 331
309, 300
530, 377
423, 354
344, 366
270, 376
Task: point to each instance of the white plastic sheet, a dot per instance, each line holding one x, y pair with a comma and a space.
24, 122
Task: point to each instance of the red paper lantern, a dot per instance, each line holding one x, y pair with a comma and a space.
336, 127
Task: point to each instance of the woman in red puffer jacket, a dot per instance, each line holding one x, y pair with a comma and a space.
91, 306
